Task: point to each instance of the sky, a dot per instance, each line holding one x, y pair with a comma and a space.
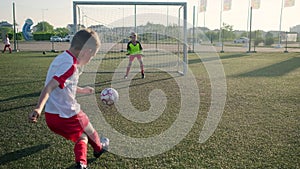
59, 13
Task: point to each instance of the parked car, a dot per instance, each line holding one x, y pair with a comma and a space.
55, 39
68, 38
241, 40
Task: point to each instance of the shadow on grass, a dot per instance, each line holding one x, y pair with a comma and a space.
16, 155
141, 84
106, 82
36, 94
277, 69
21, 83
213, 58
2, 110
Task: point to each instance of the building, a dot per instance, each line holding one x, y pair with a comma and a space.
5, 24
295, 29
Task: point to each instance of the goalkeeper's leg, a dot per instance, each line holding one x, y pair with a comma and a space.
131, 58
139, 57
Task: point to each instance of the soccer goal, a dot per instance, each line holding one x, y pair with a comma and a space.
161, 28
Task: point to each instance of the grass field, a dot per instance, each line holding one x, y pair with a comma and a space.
260, 125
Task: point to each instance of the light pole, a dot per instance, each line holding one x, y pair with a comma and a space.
14, 20
250, 22
123, 27
279, 32
43, 24
220, 32
123, 31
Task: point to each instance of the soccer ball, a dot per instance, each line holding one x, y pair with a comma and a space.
109, 96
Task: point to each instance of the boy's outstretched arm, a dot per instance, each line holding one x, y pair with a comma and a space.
85, 90
34, 115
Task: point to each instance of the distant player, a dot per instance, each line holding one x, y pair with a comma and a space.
62, 112
134, 50
6, 44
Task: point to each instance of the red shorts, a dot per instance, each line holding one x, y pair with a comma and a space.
70, 128
138, 56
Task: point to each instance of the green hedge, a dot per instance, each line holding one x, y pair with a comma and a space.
19, 36
42, 36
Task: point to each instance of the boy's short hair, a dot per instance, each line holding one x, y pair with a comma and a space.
85, 38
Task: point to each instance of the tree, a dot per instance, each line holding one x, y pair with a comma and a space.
244, 34
269, 39
269, 35
212, 35
62, 32
257, 36
228, 33
43, 27
4, 31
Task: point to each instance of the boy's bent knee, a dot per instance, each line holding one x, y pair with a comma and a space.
83, 137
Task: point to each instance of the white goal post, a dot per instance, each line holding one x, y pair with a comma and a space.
182, 46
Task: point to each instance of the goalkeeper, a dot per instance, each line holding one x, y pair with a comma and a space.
134, 50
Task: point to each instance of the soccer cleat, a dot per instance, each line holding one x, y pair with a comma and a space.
143, 76
105, 143
125, 77
80, 166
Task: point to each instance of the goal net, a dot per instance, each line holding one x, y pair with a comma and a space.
161, 28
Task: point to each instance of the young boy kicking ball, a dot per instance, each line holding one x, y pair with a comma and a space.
62, 112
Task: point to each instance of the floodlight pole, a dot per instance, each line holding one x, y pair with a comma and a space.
185, 59
220, 32
250, 30
167, 17
178, 41
194, 10
255, 37
123, 34
74, 18
279, 32
43, 13
14, 18
286, 39
222, 46
248, 18
135, 28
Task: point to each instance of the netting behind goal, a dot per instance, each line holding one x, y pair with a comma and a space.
160, 26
